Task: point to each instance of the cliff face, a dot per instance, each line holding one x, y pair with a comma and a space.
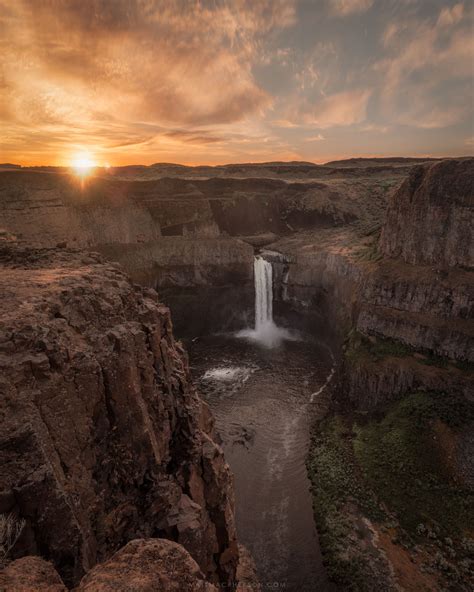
47, 208
179, 230
409, 297
176, 262
104, 438
430, 219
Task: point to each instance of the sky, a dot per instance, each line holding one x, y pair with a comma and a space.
220, 81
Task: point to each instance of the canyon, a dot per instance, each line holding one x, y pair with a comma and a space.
112, 457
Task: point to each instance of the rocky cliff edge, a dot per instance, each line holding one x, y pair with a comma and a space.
104, 438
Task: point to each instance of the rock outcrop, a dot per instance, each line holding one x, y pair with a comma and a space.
410, 293
31, 574
147, 565
430, 220
175, 262
104, 438
143, 565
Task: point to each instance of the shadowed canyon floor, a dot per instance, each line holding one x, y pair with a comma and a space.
261, 399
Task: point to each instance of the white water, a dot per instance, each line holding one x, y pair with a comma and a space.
266, 331
263, 275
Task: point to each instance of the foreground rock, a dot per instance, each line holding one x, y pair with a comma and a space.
146, 566
104, 438
143, 565
31, 574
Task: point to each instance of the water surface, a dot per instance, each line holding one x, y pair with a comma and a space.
261, 399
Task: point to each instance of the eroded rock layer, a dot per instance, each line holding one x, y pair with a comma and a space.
104, 439
407, 297
430, 219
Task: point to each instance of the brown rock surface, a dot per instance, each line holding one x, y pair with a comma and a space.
31, 574
147, 565
102, 431
430, 219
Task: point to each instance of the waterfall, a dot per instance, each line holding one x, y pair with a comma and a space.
265, 332
263, 293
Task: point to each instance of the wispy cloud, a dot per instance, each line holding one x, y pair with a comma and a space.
316, 138
345, 7
339, 109
216, 81
68, 63
422, 57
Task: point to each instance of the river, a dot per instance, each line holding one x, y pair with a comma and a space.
265, 401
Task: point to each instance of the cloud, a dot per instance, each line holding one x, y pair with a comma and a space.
175, 66
451, 16
216, 81
316, 138
285, 123
64, 64
426, 61
340, 109
346, 7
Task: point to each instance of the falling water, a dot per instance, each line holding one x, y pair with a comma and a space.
266, 331
263, 293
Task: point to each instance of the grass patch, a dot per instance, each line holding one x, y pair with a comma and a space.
403, 463
394, 470
335, 484
360, 347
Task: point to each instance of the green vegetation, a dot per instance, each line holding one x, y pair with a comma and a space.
361, 347
403, 461
388, 184
394, 469
336, 484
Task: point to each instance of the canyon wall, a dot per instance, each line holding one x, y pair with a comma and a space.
45, 209
190, 232
50, 207
408, 297
431, 217
400, 273
104, 438
207, 282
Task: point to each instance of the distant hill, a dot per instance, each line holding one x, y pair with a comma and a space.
389, 160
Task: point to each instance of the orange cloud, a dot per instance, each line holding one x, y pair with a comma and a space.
67, 67
344, 108
345, 7
219, 81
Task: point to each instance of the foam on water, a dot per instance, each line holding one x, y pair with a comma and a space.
226, 374
269, 335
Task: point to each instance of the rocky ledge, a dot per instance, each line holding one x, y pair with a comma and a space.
431, 217
104, 438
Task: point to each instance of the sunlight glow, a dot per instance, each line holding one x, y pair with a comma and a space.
83, 164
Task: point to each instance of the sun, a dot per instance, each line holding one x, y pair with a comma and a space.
83, 164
